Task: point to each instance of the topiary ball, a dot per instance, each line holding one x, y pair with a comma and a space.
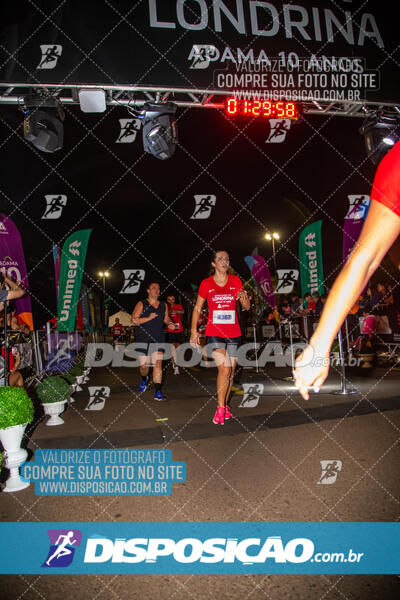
68, 377
76, 370
53, 389
16, 407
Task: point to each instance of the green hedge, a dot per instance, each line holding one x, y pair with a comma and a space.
68, 377
16, 407
76, 370
53, 389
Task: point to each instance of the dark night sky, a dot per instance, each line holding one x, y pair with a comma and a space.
121, 192
138, 207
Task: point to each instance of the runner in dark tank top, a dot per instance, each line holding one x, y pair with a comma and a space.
150, 317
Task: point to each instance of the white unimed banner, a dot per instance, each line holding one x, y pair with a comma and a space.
286, 280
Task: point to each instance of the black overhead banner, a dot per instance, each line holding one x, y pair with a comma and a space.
307, 47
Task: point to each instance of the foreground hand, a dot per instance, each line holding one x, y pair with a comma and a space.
195, 340
153, 315
311, 370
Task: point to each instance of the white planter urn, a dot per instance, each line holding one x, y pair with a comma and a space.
54, 409
15, 455
79, 380
72, 389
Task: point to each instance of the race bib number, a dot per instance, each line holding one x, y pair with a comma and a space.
224, 316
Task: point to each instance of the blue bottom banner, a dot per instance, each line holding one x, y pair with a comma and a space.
209, 548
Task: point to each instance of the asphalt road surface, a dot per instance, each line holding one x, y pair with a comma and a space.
263, 466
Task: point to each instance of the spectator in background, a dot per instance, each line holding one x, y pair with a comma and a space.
368, 324
318, 303
285, 309
174, 331
13, 293
294, 304
308, 306
376, 299
117, 331
13, 359
391, 308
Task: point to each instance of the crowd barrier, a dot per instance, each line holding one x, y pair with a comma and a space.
36, 348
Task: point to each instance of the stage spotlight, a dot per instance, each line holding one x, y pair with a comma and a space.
92, 101
43, 126
381, 131
159, 129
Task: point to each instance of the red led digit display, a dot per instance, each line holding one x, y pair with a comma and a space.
261, 108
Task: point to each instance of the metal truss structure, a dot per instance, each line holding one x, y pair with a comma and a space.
134, 97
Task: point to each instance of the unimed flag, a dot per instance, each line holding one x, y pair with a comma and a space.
12, 264
310, 257
72, 265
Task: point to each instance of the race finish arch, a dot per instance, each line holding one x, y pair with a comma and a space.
330, 57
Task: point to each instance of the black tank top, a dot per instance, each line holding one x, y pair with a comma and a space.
151, 331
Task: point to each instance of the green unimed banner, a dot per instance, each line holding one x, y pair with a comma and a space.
72, 265
310, 257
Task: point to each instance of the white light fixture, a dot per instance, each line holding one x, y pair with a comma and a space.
92, 101
388, 141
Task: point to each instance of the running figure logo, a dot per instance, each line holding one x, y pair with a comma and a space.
129, 129
133, 280
252, 393
204, 206
50, 55
278, 130
286, 280
73, 248
330, 471
98, 396
54, 206
359, 205
63, 543
201, 55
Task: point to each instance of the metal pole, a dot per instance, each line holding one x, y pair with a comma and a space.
291, 342
255, 345
48, 337
305, 323
38, 359
343, 390
289, 322
5, 346
347, 335
273, 252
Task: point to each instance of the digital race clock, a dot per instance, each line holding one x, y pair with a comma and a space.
261, 108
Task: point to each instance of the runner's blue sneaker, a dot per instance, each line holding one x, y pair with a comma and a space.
143, 384
159, 396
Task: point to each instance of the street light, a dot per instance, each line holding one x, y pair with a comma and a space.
104, 275
273, 237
